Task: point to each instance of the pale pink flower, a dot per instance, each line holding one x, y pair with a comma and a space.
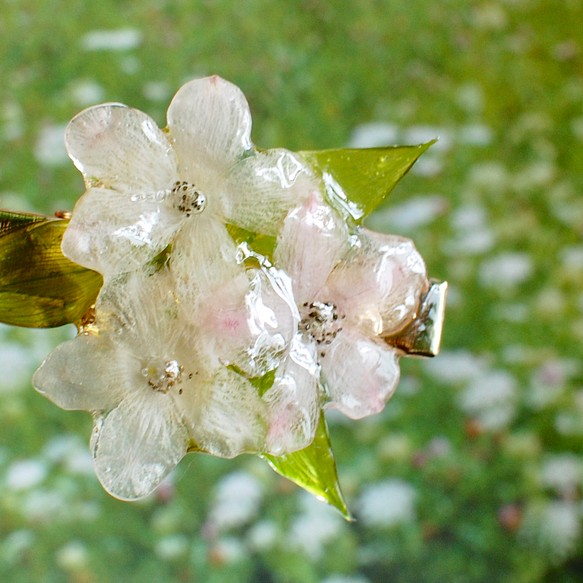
352, 292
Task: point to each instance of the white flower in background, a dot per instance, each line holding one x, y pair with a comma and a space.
373, 135
456, 366
172, 547
491, 399
237, 499
416, 212
121, 39
73, 556
15, 546
350, 292
48, 506
85, 92
228, 550
552, 528
25, 474
262, 536
150, 393
563, 473
70, 452
49, 150
506, 271
317, 526
387, 504
346, 579
147, 187
17, 360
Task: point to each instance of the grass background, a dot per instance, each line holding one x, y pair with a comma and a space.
502, 83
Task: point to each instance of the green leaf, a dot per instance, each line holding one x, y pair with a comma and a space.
313, 469
39, 286
359, 179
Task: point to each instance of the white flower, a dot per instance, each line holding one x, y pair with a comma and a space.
122, 39
491, 399
237, 501
25, 474
49, 149
351, 292
171, 547
416, 212
346, 579
73, 556
456, 366
262, 536
506, 271
147, 188
151, 395
314, 528
553, 528
563, 473
387, 503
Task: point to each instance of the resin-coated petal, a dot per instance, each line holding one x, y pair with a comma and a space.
272, 320
360, 374
293, 402
311, 243
379, 284
112, 234
87, 373
211, 287
140, 310
226, 416
223, 334
204, 259
261, 189
121, 148
137, 444
210, 125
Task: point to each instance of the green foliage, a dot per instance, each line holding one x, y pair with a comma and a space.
314, 469
358, 180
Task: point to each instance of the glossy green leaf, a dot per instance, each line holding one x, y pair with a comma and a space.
313, 469
359, 179
39, 286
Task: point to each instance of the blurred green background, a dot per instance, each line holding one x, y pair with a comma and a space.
474, 472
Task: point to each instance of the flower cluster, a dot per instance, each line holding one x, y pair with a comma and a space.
238, 301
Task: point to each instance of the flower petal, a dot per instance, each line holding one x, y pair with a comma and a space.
140, 311
210, 125
226, 416
293, 401
379, 284
272, 321
262, 188
204, 259
211, 286
122, 149
112, 234
360, 374
87, 373
137, 444
311, 243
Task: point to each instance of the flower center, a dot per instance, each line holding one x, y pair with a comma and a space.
321, 322
163, 376
187, 198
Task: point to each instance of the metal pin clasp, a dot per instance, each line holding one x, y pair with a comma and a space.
423, 336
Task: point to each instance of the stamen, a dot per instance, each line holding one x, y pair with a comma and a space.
321, 323
187, 198
163, 376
